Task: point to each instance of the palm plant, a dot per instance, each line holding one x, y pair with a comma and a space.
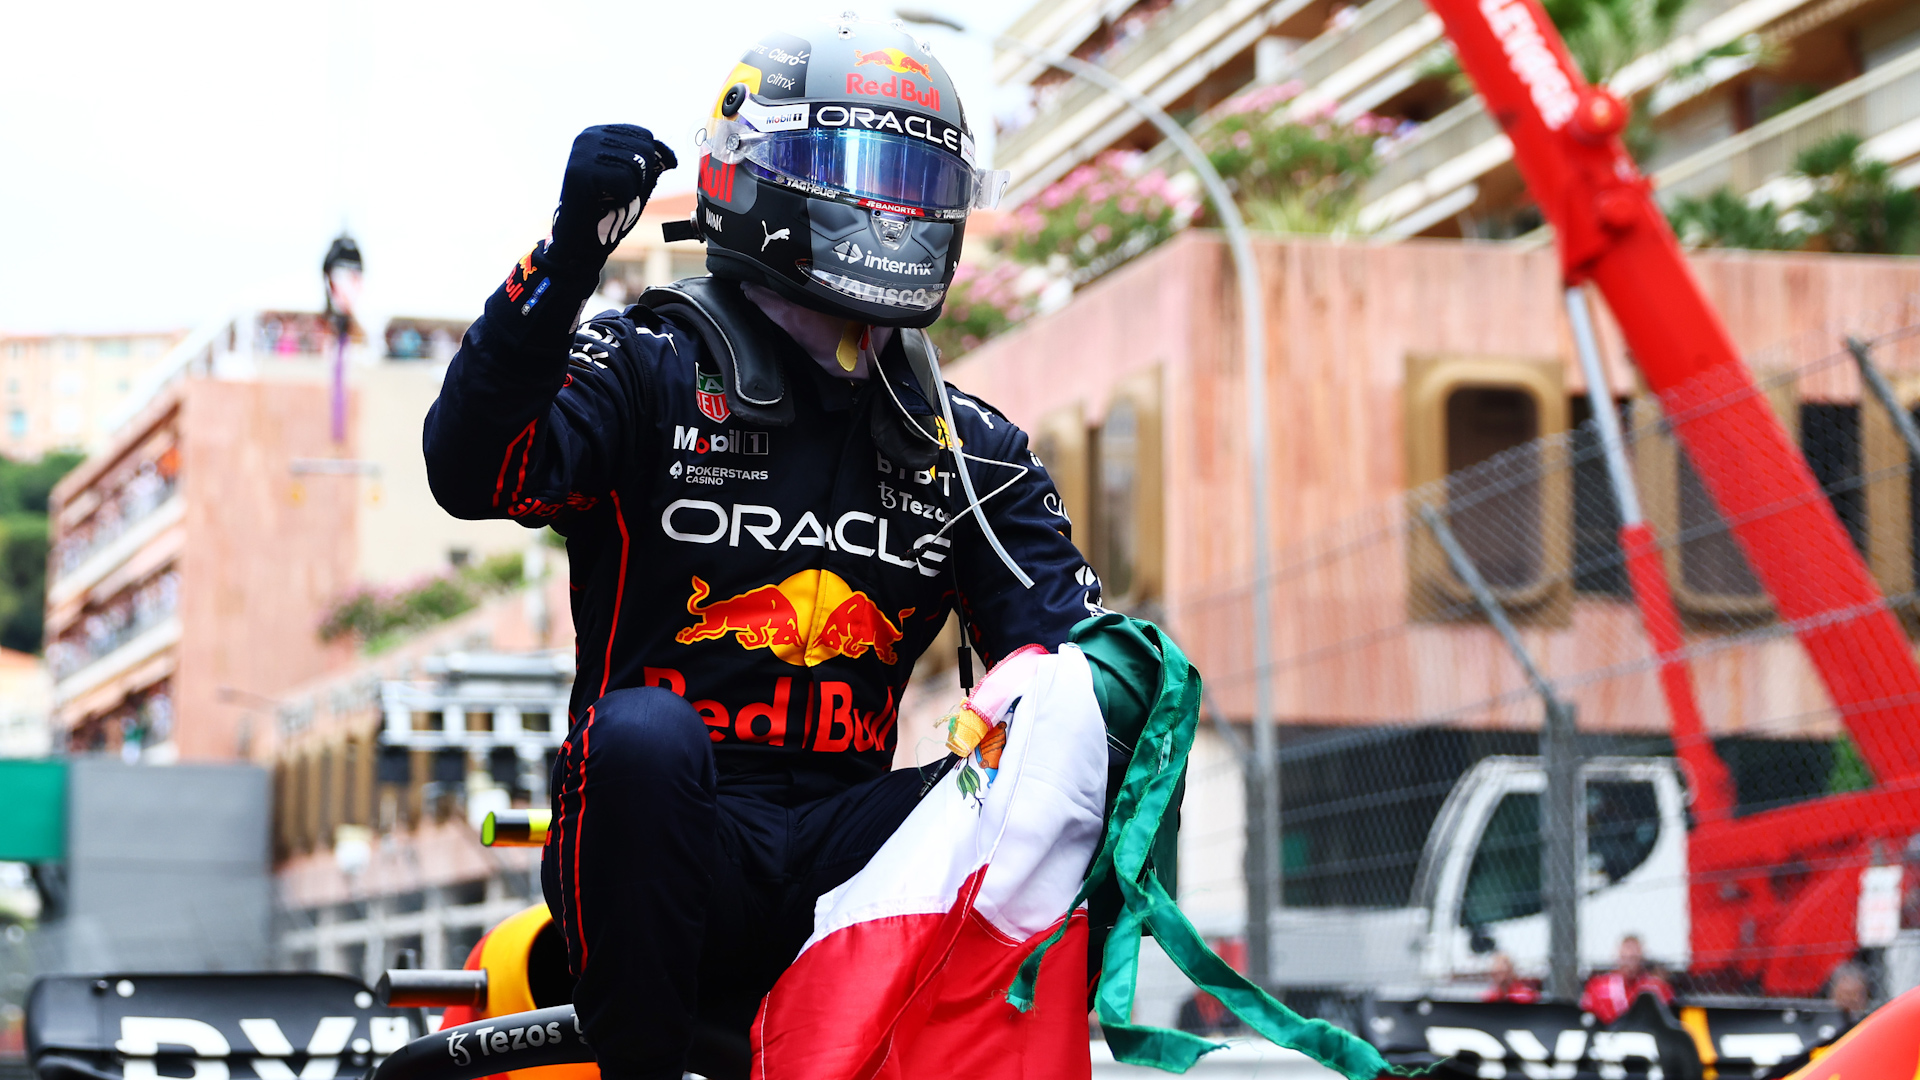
1855, 206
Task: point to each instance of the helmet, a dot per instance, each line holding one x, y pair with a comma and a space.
837, 169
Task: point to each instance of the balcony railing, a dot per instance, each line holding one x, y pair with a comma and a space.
1330, 53
1873, 105
1153, 47
102, 632
142, 494
1447, 138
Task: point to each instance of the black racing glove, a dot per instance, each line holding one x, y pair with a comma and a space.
610, 174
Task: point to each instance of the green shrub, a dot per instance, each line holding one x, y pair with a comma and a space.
375, 616
1293, 173
1098, 216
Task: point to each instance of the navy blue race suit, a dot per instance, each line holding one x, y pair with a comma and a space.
776, 585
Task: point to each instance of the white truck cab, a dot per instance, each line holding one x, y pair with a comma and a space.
1477, 890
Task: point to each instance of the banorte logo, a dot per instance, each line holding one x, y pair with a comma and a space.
807, 619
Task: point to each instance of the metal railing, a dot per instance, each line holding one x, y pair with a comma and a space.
1872, 105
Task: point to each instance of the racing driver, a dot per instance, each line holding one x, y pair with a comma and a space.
771, 504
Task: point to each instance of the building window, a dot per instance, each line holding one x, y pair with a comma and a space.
1117, 468
1060, 440
1599, 566
1710, 576
1125, 533
16, 423
1480, 447
1493, 506
1830, 439
1711, 562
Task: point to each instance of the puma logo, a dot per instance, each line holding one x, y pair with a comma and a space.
783, 234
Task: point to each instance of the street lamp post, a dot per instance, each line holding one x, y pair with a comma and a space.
1263, 775
342, 270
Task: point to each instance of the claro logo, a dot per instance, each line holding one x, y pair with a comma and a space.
1547, 83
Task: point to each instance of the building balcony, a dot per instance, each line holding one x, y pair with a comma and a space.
1431, 172
1184, 45
1882, 106
1370, 60
79, 567
137, 658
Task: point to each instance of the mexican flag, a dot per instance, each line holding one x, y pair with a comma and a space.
907, 970
961, 949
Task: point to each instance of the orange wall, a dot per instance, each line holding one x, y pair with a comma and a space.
266, 553
1342, 318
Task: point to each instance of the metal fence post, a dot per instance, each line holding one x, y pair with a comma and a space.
1559, 854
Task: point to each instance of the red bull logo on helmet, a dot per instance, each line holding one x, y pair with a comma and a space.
808, 619
898, 87
893, 60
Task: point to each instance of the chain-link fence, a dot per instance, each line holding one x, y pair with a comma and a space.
1731, 807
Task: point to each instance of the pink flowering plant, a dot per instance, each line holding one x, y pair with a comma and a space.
1293, 170
1098, 216
980, 303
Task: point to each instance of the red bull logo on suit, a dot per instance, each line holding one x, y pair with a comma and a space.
811, 617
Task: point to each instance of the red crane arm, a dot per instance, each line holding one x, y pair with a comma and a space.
1611, 232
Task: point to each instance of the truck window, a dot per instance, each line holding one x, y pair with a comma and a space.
1623, 824
1504, 880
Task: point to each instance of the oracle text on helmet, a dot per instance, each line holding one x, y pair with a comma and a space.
934, 131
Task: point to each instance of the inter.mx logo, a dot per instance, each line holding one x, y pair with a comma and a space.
729, 442
848, 251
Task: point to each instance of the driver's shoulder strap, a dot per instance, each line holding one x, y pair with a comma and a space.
746, 346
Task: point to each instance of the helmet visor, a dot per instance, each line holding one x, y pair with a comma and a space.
876, 165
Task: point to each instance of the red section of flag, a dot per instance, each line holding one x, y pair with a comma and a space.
925, 995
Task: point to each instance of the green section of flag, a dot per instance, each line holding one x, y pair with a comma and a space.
33, 811
1161, 702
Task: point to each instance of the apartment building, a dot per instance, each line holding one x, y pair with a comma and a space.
61, 392
1388, 375
195, 556
1732, 97
383, 770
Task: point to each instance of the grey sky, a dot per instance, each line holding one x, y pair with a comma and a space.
161, 164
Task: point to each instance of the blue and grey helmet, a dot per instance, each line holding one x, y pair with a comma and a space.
837, 168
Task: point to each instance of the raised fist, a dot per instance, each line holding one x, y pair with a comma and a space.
610, 174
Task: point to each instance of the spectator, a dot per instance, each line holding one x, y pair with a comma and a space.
1203, 1014
1850, 991
1509, 987
1609, 994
